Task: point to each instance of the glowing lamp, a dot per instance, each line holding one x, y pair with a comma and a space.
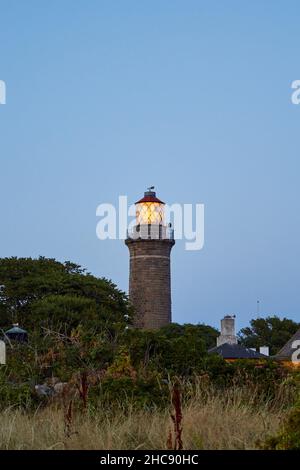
150, 210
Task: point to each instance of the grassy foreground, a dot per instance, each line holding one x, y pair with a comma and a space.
234, 419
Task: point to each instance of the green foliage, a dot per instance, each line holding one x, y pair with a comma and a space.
16, 389
76, 322
270, 331
32, 287
173, 349
288, 437
125, 392
264, 377
73, 319
16, 395
122, 385
206, 333
70, 311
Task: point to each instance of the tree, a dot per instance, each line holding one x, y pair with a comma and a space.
271, 331
35, 291
206, 333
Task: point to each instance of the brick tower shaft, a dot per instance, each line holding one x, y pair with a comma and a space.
150, 281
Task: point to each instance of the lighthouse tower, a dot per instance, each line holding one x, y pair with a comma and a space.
150, 243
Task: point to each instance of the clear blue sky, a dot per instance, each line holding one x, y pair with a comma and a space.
107, 97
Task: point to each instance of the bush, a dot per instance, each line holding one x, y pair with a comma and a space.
288, 438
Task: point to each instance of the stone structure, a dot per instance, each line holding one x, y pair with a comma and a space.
228, 347
150, 243
227, 331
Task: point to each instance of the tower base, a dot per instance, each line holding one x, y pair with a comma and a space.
150, 281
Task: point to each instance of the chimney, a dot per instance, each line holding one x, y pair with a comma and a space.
227, 331
264, 350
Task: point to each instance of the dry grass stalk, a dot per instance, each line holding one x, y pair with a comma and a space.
170, 440
176, 418
83, 389
68, 419
230, 419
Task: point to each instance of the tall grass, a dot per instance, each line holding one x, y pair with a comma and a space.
232, 419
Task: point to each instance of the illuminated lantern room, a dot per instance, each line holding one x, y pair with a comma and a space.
150, 210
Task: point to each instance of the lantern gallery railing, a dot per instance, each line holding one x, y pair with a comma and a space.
150, 219
150, 232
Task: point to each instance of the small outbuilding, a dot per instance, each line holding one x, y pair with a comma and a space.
228, 347
17, 334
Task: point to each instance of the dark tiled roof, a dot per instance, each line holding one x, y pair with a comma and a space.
149, 199
235, 351
150, 196
15, 330
287, 350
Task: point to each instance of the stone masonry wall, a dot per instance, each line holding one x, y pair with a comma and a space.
150, 281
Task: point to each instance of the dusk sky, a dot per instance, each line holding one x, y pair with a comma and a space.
105, 98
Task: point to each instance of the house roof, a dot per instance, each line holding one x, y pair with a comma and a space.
288, 349
235, 351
